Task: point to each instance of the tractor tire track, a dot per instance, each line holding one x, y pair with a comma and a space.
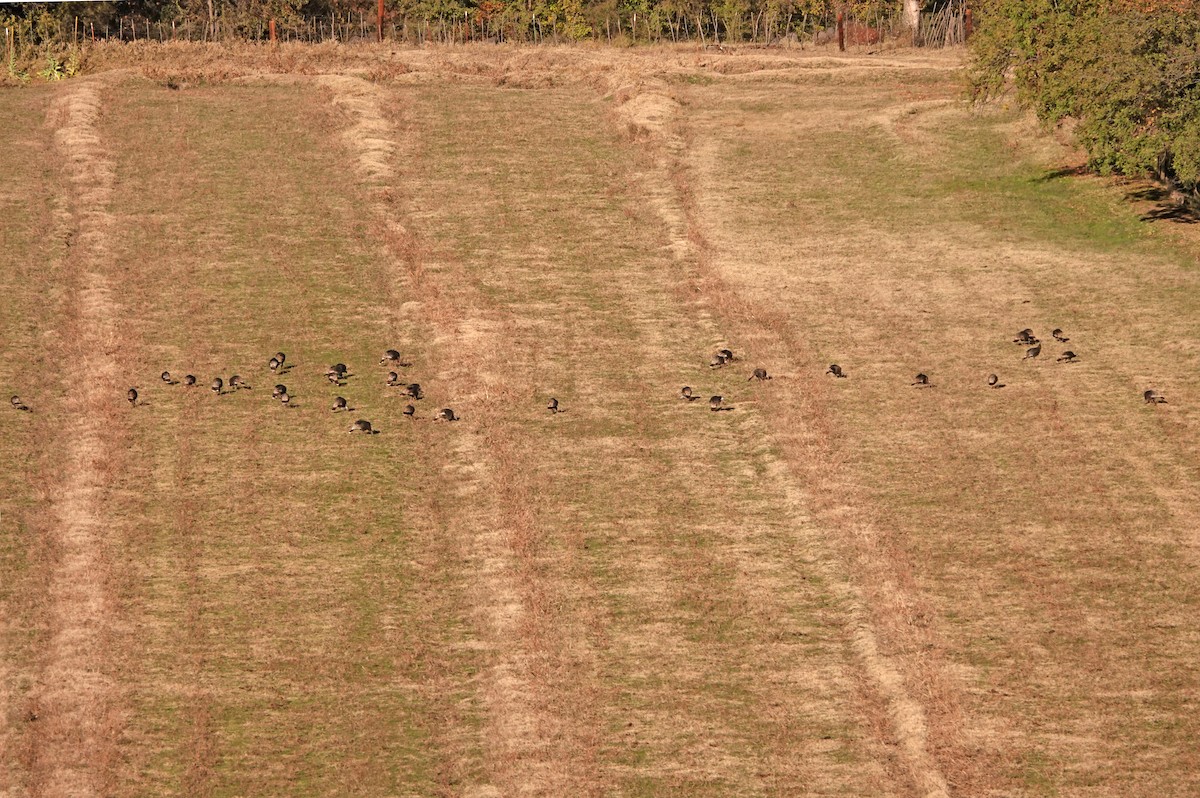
535, 741
647, 109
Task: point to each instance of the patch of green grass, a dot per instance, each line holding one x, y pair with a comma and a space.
690, 78
1035, 776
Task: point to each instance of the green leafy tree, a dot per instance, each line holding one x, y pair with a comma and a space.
1127, 72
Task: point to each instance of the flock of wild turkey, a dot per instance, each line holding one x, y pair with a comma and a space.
720, 359
338, 373
1025, 337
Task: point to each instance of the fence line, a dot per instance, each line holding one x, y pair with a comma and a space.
945, 28
484, 24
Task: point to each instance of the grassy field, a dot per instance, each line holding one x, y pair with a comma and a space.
837, 587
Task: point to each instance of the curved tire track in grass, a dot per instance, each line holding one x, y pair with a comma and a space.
647, 108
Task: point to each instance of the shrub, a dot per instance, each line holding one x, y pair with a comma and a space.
1128, 71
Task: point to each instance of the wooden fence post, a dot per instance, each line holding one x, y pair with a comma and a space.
970, 27
380, 22
841, 26
271, 27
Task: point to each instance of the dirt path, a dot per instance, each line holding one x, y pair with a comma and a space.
74, 746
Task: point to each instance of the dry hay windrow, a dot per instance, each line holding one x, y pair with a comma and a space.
74, 746
188, 64
647, 108
531, 746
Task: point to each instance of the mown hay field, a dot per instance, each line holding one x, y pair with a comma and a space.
834, 586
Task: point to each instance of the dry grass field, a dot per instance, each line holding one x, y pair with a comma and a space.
836, 587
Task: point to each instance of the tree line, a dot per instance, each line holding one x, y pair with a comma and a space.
616, 21
1126, 72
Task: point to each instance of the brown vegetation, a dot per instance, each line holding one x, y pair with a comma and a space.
835, 586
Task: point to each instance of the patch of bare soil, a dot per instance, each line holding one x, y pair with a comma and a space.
73, 750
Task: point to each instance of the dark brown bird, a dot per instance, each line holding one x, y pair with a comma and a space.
716, 362
285, 399
278, 391
189, 380
413, 390
236, 382
1026, 337
759, 374
393, 378
921, 380
994, 381
714, 403
726, 355
836, 370
552, 405
18, 404
336, 373
131, 395
1032, 352
166, 377
273, 364
1152, 397
686, 393
1068, 357
446, 414
1058, 336
390, 356
362, 425
410, 411
339, 403
279, 358
217, 386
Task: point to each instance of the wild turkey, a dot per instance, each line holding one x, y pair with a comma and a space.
1152, 397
